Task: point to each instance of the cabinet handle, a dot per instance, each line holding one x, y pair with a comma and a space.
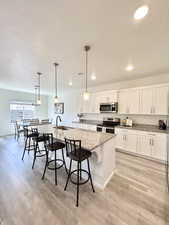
149, 141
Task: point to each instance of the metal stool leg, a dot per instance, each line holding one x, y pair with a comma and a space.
64, 161
90, 177
55, 168
46, 164
34, 158
29, 145
78, 177
69, 174
24, 149
80, 170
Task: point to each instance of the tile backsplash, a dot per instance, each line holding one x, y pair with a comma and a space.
137, 119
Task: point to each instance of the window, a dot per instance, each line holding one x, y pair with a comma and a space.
20, 111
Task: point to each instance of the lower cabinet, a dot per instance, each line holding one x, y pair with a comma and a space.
152, 145
126, 140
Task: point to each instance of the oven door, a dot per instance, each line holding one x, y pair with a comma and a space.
110, 130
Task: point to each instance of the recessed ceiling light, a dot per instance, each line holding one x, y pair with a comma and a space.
93, 76
129, 67
70, 83
141, 12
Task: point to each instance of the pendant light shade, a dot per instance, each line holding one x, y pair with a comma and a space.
86, 94
39, 89
56, 99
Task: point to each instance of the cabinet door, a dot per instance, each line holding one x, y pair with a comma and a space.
146, 101
131, 142
120, 139
133, 101
160, 101
144, 145
123, 102
111, 96
159, 146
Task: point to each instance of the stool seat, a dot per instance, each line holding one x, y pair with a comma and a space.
80, 155
38, 138
55, 146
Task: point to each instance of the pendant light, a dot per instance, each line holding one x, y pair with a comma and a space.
56, 100
39, 89
36, 95
86, 94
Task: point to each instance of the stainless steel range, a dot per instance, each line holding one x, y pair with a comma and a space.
108, 125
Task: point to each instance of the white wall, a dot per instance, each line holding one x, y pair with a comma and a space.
6, 96
71, 99
71, 104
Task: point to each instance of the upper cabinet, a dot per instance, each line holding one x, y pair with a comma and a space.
107, 96
93, 104
154, 100
129, 101
145, 101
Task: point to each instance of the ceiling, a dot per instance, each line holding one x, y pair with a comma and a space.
34, 34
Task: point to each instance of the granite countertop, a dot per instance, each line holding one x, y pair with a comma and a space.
90, 122
145, 127
89, 139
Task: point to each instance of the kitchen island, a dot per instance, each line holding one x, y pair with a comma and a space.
102, 146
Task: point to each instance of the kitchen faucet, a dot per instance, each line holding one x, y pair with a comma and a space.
58, 118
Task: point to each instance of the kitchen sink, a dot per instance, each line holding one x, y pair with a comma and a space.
62, 127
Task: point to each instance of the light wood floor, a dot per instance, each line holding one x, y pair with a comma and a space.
135, 196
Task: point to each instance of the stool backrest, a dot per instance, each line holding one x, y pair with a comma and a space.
73, 147
33, 131
48, 139
25, 131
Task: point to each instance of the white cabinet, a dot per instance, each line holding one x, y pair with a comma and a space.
93, 104
154, 100
126, 139
159, 146
147, 101
153, 145
144, 144
129, 101
160, 100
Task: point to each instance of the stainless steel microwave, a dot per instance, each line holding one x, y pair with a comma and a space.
109, 107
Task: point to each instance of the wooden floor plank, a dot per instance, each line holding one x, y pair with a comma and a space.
136, 195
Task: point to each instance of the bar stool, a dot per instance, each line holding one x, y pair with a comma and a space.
51, 146
28, 135
78, 154
18, 131
37, 151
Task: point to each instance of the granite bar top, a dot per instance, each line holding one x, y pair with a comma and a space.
90, 122
89, 139
145, 127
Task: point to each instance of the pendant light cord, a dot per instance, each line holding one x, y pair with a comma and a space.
86, 68
39, 74
86, 48
56, 64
